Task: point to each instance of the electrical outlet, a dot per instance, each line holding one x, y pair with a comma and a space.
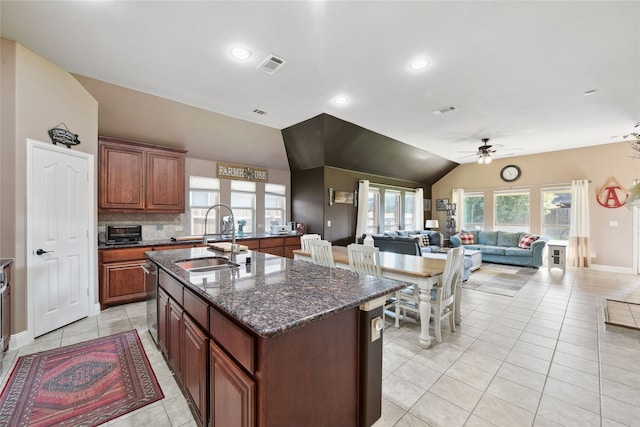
329, 223
376, 327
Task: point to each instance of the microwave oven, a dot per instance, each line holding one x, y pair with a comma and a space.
123, 234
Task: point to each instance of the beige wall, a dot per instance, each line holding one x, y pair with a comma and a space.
39, 96
129, 114
612, 245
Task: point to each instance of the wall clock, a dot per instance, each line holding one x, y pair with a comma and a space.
510, 173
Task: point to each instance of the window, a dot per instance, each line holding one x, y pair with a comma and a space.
243, 203
203, 193
473, 211
556, 213
275, 202
391, 210
409, 212
512, 211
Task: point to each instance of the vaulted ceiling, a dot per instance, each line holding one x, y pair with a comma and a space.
521, 72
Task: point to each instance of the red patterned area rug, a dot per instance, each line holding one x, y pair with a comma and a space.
84, 384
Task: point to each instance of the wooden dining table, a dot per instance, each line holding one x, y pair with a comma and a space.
422, 272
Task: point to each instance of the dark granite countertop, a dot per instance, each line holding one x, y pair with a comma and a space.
4, 262
273, 295
211, 239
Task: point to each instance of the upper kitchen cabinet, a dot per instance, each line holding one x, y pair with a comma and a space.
138, 177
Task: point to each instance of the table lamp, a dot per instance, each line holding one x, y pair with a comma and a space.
430, 224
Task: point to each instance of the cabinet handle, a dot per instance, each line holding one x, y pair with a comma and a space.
147, 270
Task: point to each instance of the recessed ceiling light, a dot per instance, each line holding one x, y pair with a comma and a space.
341, 100
240, 53
419, 64
590, 92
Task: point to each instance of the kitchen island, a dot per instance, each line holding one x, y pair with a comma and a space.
273, 341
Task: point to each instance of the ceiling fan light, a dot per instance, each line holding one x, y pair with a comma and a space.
487, 159
480, 160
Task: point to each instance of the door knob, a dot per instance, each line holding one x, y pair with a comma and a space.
42, 251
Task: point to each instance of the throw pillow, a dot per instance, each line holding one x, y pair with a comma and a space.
423, 239
466, 238
526, 241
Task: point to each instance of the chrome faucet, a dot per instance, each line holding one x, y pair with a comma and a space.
233, 229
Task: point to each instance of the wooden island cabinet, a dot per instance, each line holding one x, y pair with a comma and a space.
242, 360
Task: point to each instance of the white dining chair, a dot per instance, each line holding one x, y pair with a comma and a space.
364, 259
305, 239
321, 253
443, 299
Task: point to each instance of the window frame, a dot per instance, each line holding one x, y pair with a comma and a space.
212, 222
543, 227
476, 226
524, 227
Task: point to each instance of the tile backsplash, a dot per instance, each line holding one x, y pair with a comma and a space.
154, 226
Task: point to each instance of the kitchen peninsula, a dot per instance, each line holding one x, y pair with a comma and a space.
271, 341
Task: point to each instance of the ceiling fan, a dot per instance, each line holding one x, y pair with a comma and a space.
484, 152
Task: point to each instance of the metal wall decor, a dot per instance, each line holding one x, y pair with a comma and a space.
63, 136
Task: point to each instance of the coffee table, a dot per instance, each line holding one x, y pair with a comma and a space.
475, 255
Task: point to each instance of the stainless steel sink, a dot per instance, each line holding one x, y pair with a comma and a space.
206, 264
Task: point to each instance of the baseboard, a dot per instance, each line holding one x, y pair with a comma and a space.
18, 340
611, 269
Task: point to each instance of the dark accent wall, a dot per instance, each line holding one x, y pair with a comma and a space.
325, 151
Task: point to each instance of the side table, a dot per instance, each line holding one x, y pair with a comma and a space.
557, 254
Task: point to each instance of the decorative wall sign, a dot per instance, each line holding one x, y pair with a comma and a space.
612, 194
63, 136
240, 172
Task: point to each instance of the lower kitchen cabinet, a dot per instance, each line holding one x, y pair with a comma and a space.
232, 392
195, 367
175, 338
123, 282
163, 326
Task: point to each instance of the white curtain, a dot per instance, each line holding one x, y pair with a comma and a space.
418, 210
579, 251
457, 197
363, 208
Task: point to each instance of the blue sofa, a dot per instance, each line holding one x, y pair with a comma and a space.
502, 247
401, 242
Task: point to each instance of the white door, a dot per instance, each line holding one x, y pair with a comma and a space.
60, 199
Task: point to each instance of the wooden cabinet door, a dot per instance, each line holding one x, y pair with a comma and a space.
165, 182
175, 340
195, 367
6, 317
122, 282
232, 392
121, 178
163, 321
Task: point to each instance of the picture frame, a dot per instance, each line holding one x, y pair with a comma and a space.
426, 204
345, 197
441, 204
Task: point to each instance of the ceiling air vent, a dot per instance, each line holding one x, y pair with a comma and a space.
260, 112
444, 109
271, 64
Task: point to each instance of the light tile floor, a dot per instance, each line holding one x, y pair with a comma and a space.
542, 358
